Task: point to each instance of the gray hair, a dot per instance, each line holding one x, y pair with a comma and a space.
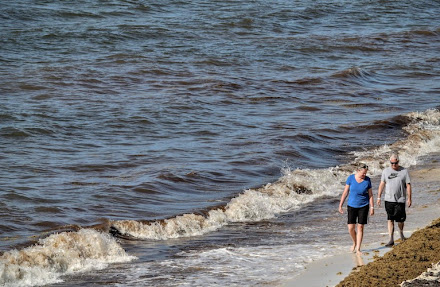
395, 156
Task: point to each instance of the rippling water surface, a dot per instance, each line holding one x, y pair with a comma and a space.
163, 123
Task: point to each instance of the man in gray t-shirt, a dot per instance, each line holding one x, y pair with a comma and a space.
397, 185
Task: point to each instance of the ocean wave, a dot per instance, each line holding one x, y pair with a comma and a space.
12, 132
60, 254
395, 122
294, 189
423, 138
81, 250
353, 72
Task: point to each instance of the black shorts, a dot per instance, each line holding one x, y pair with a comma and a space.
395, 211
361, 214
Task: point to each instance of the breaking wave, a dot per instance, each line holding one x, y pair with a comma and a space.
423, 138
293, 190
82, 250
60, 254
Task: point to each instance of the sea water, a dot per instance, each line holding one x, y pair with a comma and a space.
201, 143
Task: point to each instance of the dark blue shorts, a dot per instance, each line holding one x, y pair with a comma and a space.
358, 214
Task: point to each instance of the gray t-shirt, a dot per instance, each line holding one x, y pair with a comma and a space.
396, 180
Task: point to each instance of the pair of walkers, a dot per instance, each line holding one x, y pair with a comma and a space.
396, 181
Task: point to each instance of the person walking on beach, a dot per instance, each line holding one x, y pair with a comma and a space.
360, 200
397, 185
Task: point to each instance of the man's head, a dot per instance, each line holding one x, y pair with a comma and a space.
394, 161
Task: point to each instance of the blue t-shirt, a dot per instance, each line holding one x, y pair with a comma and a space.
358, 196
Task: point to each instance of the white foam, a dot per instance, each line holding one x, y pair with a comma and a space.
252, 205
60, 254
179, 226
423, 138
230, 266
295, 188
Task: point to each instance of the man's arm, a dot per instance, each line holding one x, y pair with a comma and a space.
379, 192
408, 194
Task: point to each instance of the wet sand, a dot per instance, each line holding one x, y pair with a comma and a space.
379, 265
410, 258
382, 266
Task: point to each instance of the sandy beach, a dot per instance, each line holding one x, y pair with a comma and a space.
382, 266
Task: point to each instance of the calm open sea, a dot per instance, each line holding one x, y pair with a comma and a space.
200, 143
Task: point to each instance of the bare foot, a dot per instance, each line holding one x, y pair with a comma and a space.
353, 248
359, 260
358, 252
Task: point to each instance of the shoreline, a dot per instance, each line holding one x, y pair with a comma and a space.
403, 263
329, 271
333, 270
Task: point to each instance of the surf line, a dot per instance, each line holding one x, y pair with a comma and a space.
292, 190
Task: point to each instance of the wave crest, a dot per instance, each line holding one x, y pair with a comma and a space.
294, 189
423, 138
60, 254
290, 192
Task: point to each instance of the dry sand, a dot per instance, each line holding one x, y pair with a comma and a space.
382, 266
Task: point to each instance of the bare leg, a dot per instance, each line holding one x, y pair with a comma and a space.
352, 231
391, 233
401, 225
359, 237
